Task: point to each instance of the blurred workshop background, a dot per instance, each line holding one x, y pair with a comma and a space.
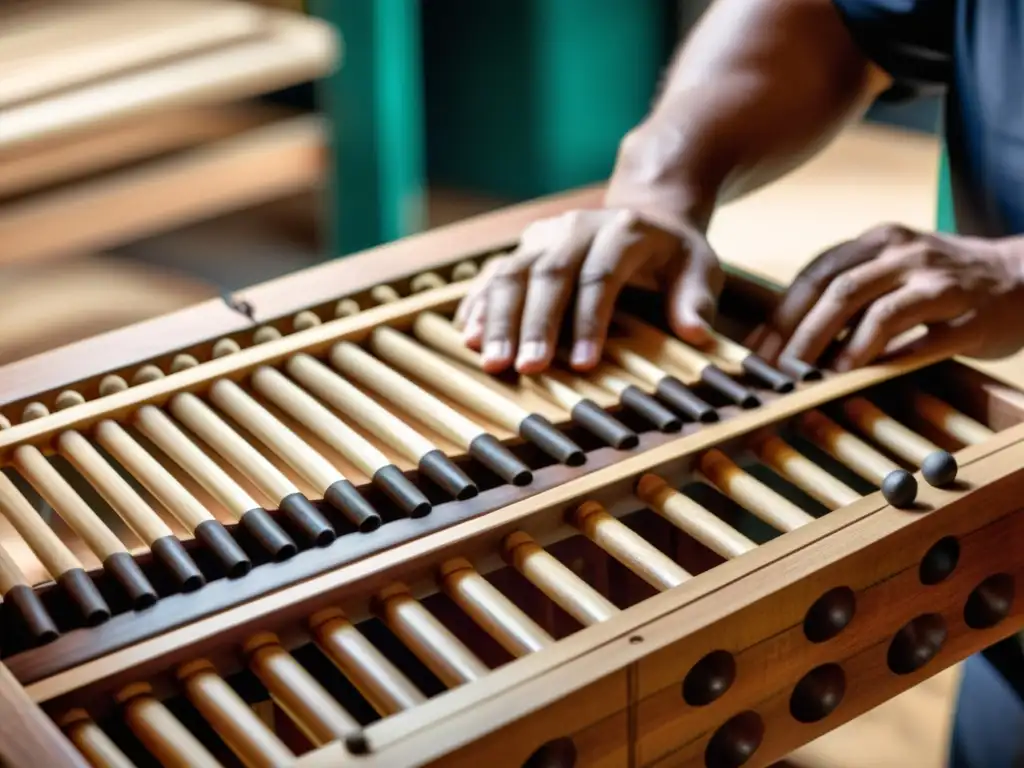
154, 153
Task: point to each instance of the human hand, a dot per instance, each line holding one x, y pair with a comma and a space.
968, 292
584, 258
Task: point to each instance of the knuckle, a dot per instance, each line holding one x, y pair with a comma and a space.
555, 270
843, 288
891, 234
884, 314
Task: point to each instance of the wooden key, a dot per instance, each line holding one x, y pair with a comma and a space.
804, 473
426, 281
376, 678
627, 546
377, 420
308, 411
66, 502
137, 514
160, 732
439, 333
162, 432
738, 355
938, 467
215, 432
751, 494
174, 497
310, 464
947, 419
431, 642
384, 294
53, 553
562, 586
691, 518
632, 396
845, 447
92, 742
695, 363
18, 594
667, 387
465, 270
301, 697
402, 352
239, 727
516, 632
347, 308
359, 366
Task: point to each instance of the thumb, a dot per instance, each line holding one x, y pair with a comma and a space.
693, 294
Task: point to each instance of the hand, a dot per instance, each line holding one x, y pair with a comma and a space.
968, 292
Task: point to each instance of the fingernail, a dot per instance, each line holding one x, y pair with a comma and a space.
497, 351
584, 354
531, 353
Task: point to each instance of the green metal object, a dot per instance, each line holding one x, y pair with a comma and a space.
374, 106
945, 218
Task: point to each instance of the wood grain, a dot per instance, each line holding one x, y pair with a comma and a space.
27, 735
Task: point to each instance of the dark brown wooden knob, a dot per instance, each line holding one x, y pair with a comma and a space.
557, 753
939, 561
818, 693
830, 614
916, 643
709, 678
735, 742
990, 602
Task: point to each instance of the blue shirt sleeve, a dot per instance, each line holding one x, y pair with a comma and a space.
912, 40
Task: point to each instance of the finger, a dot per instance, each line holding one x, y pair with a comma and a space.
942, 340
473, 332
895, 314
848, 294
473, 308
615, 254
550, 286
693, 293
476, 289
503, 309
815, 278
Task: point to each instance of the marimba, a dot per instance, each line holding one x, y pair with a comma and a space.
324, 537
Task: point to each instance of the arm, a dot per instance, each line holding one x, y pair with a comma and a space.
759, 87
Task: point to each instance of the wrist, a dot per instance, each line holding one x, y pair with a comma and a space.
654, 173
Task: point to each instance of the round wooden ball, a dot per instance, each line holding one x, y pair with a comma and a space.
939, 468
899, 488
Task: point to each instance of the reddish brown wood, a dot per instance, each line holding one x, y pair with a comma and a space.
27, 735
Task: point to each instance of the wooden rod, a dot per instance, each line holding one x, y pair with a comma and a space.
738, 355
305, 409
751, 494
561, 585
691, 518
804, 473
845, 447
632, 395
421, 632
161, 732
244, 733
297, 692
359, 366
627, 546
377, 679
162, 432
947, 419
19, 596
887, 432
92, 742
516, 632
181, 504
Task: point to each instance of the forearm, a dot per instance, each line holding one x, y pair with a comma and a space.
758, 88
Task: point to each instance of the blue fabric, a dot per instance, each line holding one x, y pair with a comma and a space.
988, 728
973, 52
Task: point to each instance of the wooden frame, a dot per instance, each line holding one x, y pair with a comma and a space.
612, 687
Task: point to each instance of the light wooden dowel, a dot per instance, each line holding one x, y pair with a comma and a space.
561, 585
246, 735
153, 476
11, 575
887, 432
384, 294
266, 428
215, 432
298, 694
122, 498
627, 546
804, 473
691, 518
53, 553
92, 742
161, 732
634, 363
949, 420
751, 494
682, 355
66, 502
362, 409
324, 424
404, 353
165, 434
411, 398
381, 683
516, 632
432, 643
846, 448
